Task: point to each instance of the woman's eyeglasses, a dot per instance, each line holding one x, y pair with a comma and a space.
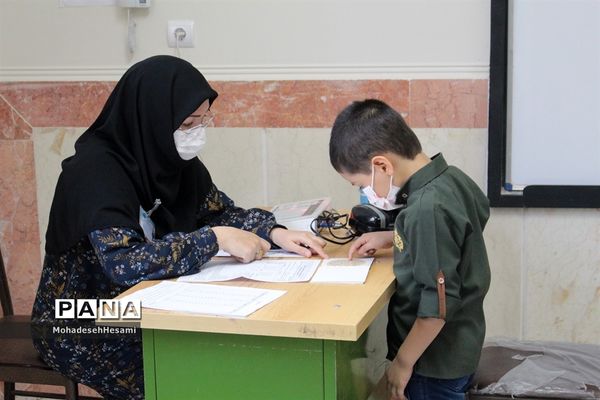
207, 119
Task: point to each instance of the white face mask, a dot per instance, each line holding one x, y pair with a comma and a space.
385, 203
190, 142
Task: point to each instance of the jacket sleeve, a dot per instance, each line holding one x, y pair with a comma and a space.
223, 212
127, 258
435, 246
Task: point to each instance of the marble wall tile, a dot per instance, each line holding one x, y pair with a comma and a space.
309, 104
562, 264
45, 104
463, 148
504, 243
235, 159
240, 104
12, 125
51, 146
448, 103
299, 168
19, 236
299, 104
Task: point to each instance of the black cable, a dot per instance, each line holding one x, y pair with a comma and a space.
329, 221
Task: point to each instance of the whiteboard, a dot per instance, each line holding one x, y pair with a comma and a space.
553, 105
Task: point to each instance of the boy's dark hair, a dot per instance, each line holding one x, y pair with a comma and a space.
365, 129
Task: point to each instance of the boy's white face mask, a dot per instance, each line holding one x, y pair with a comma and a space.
385, 203
189, 142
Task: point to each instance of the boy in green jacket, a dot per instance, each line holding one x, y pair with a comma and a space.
436, 324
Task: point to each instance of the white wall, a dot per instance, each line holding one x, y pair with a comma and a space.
250, 39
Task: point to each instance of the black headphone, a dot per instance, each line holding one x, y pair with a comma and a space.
363, 218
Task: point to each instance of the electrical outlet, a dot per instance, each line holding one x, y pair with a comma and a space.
180, 33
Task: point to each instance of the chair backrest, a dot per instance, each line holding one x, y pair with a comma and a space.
5, 301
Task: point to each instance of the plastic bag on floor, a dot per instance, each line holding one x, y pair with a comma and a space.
549, 369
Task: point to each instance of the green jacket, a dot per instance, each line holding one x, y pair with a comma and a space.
441, 268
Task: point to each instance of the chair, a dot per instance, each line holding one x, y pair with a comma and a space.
19, 361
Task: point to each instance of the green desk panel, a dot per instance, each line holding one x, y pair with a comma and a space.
195, 365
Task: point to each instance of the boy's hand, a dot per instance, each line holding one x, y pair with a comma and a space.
303, 243
367, 244
398, 375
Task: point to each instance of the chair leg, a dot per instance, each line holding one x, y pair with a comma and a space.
71, 390
9, 391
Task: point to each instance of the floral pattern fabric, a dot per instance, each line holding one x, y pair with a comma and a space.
108, 262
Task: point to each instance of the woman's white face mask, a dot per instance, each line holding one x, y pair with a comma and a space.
189, 142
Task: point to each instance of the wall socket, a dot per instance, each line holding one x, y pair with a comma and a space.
180, 33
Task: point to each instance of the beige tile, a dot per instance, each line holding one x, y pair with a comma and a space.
503, 239
50, 147
298, 161
562, 261
299, 168
463, 148
234, 157
376, 347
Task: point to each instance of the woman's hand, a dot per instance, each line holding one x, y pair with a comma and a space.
243, 246
304, 243
368, 243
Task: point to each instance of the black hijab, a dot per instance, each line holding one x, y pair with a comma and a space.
127, 158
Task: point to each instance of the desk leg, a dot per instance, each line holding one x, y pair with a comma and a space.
345, 370
149, 365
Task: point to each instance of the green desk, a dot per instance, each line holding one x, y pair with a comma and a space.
306, 345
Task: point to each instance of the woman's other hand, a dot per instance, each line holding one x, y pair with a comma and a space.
304, 243
242, 245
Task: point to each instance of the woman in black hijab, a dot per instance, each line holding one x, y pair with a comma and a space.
135, 203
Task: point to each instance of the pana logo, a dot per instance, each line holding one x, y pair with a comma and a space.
97, 309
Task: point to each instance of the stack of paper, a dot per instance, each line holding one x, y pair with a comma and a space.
205, 299
298, 215
342, 270
260, 270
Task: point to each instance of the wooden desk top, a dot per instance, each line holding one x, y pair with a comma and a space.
307, 310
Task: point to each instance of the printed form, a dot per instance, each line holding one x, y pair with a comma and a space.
260, 270
342, 270
199, 298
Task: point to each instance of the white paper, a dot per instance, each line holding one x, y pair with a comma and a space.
298, 215
199, 298
260, 270
342, 270
271, 253
300, 209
